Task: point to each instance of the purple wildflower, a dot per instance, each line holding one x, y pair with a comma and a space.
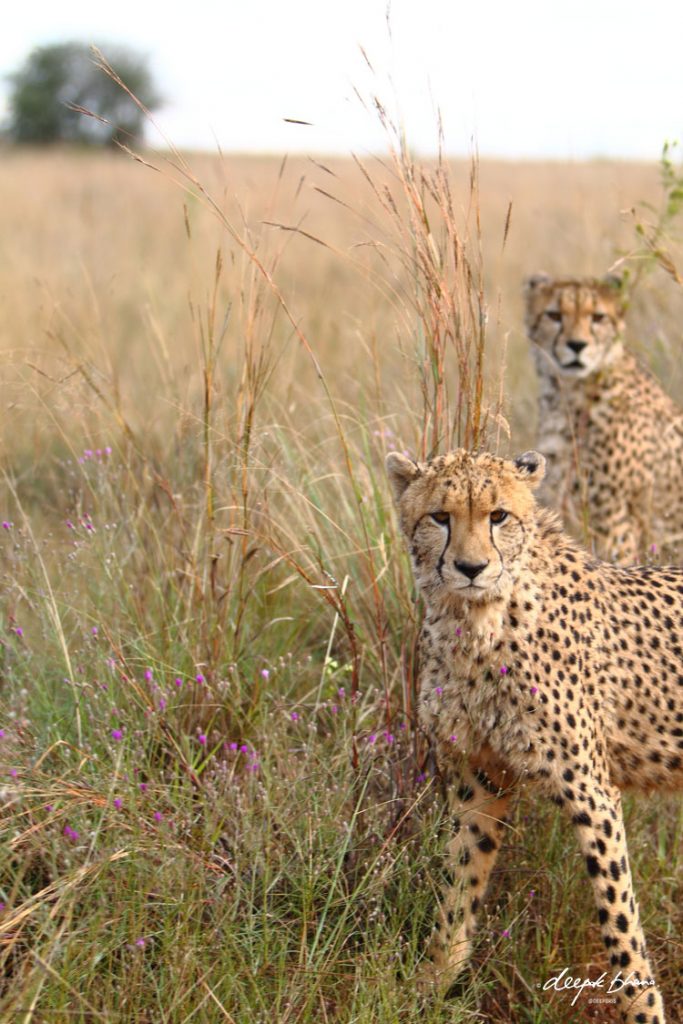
503, 670
118, 803
178, 681
202, 739
117, 734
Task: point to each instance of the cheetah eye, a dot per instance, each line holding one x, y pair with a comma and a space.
554, 315
442, 518
498, 516
598, 317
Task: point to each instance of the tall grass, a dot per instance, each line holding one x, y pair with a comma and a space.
656, 226
216, 803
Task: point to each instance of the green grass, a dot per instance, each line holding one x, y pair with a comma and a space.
275, 883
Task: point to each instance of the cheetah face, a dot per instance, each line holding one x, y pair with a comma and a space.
576, 324
467, 520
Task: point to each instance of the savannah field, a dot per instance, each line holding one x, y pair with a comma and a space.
216, 805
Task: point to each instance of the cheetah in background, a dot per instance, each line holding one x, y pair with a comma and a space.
541, 666
612, 437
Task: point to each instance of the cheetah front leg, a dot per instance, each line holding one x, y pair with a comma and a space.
599, 824
478, 801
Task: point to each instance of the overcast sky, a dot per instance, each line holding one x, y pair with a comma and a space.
525, 78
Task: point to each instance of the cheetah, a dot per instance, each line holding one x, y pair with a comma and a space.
541, 666
612, 437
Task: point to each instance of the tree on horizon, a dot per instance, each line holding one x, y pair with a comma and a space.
59, 81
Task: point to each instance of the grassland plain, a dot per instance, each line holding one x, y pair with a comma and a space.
215, 804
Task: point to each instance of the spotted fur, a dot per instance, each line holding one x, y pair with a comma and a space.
540, 666
612, 437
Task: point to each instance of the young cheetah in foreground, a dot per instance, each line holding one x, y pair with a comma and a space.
552, 669
612, 436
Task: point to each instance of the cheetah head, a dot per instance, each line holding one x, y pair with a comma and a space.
468, 520
576, 324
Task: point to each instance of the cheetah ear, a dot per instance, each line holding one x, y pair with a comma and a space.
536, 280
531, 468
402, 471
615, 281
618, 284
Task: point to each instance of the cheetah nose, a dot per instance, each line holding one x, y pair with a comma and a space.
577, 346
470, 569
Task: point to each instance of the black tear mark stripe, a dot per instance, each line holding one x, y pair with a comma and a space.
539, 318
607, 316
495, 546
556, 340
440, 563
